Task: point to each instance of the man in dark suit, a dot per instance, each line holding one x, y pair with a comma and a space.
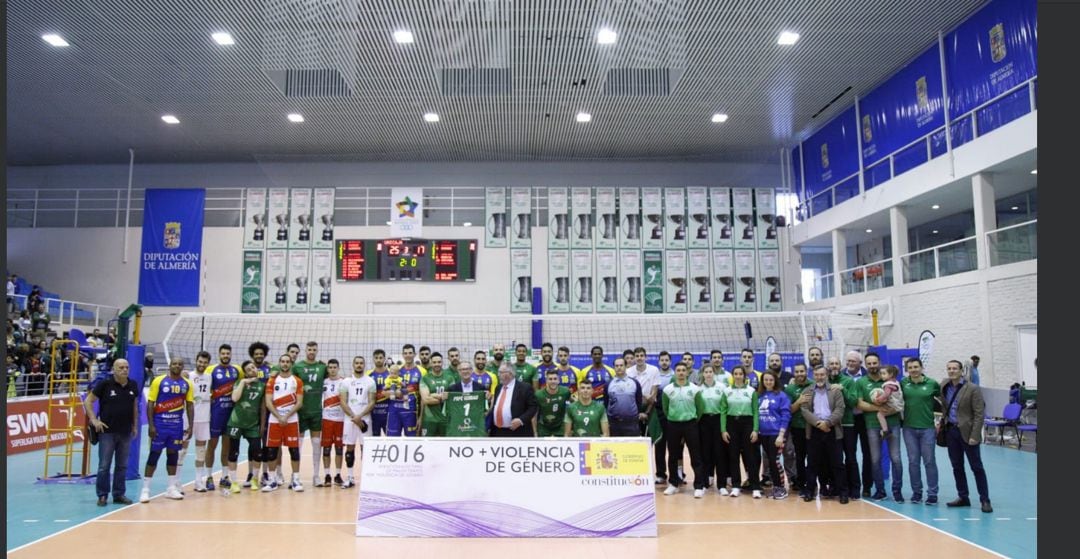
963, 422
514, 406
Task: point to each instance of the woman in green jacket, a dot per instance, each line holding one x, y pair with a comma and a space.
739, 425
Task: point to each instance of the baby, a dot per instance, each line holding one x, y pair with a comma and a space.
889, 397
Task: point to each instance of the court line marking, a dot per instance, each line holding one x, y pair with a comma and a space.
705, 523
793, 521
936, 529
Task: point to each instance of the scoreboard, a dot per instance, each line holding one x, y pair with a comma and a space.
405, 260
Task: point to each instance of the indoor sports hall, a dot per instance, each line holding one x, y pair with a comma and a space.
482, 277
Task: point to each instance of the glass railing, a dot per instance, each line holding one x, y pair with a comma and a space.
823, 288
1015, 243
940, 261
867, 277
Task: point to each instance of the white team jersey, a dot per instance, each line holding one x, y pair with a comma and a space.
647, 379
200, 382
331, 400
357, 392
284, 392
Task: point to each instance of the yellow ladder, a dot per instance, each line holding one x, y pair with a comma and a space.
64, 402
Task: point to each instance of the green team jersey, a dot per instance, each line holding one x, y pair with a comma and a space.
312, 375
711, 397
919, 402
851, 398
552, 409
865, 385
525, 373
465, 414
794, 391
437, 385
494, 369
739, 402
682, 402
246, 412
585, 421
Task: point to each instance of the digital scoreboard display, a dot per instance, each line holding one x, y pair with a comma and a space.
406, 260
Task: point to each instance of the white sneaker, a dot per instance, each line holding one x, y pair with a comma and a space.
735, 492
724, 492
671, 490
270, 486
757, 493
296, 485
200, 485
173, 493
699, 493
315, 482
144, 496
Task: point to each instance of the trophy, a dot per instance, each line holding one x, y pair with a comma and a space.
609, 289
560, 226
774, 221
607, 226
324, 283
774, 294
260, 227
703, 225
748, 281
584, 231
497, 225
585, 290
301, 295
705, 296
729, 290
523, 289
283, 226
328, 227
725, 224
748, 230
632, 288
562, 290
658, 228
632, 225
680, 226
680, 295
305, 226
282, 287
523, 225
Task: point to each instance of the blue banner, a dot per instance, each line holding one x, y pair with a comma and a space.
905, 108
831, 154
796, 173
995, 50
169, 273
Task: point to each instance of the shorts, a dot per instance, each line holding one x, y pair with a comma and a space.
287, 434
310, 421
245, 432
353, 435
542, 431
433, 429
201, 431
168, 438
379, 417
332, 432
219, 420
400, 422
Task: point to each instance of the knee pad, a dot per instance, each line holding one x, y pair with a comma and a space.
255, 450
294, 453
338, 450
171, 458
152, 460
234, 451
271, 453
326, 451
350, 458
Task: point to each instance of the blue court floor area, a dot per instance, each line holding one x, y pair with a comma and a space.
36, 511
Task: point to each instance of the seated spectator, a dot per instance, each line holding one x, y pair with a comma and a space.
13, 374
35, 370
24, 321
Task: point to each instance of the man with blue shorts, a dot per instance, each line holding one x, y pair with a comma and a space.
171, 398
223, 377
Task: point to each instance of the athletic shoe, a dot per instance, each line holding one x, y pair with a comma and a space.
699, 493
671, 490
247, 482
315, 482
916, 499
144, 496
209, 483
931, 501
328, 481
337, 479
779, 494
235, 488
661, 480
271, 486
102, 501
200, 485
724, 492
122, 500
757, 493
225, 482
898, 497
172, 493
878, 496
265, 478
296, 485
348, 484
735, 492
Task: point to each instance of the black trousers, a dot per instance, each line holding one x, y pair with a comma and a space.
798, 438
714, 450
864, 442
772, 459
679, 433
660, 449
851, 463
820, 446
739, 429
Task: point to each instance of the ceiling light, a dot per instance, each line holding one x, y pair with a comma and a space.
584, 117
1015, 208
869, 230
934, 232
467, 224
607, 37
431, 117
223, 39
787, 38
296, 117
403, 37
719, 117
935, 207
55, 40
170, 119
1034, 171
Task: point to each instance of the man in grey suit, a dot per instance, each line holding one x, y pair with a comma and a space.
822, 406
964, 407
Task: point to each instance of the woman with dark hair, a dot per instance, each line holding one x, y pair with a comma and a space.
739, 428
713, 449
774, 411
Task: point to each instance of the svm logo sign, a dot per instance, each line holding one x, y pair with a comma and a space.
28, 423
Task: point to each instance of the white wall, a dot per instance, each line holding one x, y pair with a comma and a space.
973, 313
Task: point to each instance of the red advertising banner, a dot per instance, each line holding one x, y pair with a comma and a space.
28, 422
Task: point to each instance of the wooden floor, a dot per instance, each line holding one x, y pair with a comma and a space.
319, 523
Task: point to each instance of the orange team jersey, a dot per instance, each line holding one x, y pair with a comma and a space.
285, 392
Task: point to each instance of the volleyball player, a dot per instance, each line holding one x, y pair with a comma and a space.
333, 424
284, 399
357, 397
222, 378
171, 398
313, 374
246, 421
200, 424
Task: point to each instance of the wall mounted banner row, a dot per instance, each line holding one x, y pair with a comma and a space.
283, 218
280, 280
